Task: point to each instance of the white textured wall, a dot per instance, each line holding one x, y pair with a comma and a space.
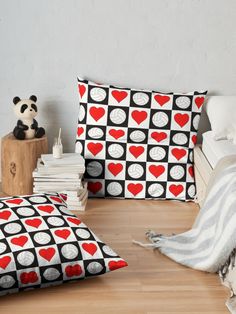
168, 45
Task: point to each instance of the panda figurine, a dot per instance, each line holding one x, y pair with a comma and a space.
27, 126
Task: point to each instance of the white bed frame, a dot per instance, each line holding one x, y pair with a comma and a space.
203, 171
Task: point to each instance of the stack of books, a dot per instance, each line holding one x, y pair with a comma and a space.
64, 175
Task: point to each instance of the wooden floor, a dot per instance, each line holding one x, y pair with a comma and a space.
151, 284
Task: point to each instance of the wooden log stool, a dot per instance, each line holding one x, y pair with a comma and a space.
18, 160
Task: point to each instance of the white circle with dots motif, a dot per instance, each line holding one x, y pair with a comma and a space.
115, 150
114, 188
107, 250
157, 153
155, 190
42, 238
98, 94
137, 136
118, 116
135, 171
95, 133
81, 113
196, 121
55, 221
3, 247
177, 172
160, 119
94, 168
82, 233
38, 199
191, 190
180, 139
25, 211
69, 251
140, 99
7, 281
78, 147
94, 268
25, 258
183, 102
51, 274
12, 228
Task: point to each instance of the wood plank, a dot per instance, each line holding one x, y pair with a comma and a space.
151, 283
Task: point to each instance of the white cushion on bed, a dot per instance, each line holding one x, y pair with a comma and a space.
221, 111
215, 150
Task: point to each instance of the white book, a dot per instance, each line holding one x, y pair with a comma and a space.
80, 208
45, 189
68, 159
41, 169
51, 180
79, 192
76, 198
36, 174
77, 202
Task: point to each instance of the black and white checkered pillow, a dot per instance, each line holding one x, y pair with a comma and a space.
42, 244
138, 143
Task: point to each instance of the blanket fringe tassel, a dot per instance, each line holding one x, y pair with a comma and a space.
153, 237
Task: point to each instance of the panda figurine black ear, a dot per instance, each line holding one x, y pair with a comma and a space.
16, 100
33, 97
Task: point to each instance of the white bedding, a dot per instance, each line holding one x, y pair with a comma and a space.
215, 150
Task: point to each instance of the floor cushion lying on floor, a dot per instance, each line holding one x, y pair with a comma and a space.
42, 244
138, 143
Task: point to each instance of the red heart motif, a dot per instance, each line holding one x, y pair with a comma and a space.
20, 241
156, 170
97, 113
162, 99
135, 188
181, 119
46, 208
139, 116
178, 153
194, 139
94, 187
95, 148
199, 101
75, 221
47, 253
90, 248
62, 233
33, 222
56, 199
5, 214
115, 169
80, 131
16, 201
82, 90
191, 171
29, 277
4, 261
136, 151
64, 196
74, 270
176, 189
119, 95
116, 264
159, 136
116, 133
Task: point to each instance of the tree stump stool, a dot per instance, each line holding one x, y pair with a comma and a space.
18, 160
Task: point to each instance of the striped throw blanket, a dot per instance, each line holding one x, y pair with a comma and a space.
211, 243
208, 245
